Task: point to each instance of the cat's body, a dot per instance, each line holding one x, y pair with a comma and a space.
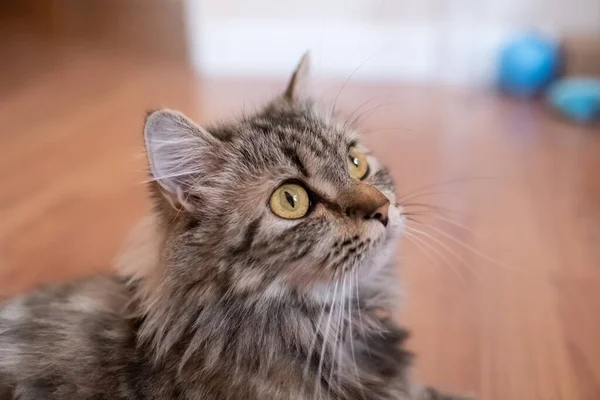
228, 291
76, 342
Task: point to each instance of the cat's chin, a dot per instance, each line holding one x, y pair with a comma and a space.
381, 254
375, 261
383, 235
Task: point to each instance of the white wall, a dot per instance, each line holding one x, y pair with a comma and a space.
447, 41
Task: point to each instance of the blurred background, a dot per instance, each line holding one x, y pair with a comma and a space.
436, 41
486, 112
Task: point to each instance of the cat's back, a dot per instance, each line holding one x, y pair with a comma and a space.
65, 341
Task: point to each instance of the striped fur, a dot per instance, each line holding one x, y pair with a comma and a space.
219, 298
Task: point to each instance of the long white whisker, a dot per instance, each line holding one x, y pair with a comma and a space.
337, 334
348, 80
430, 207
440, 243
471, 248
362, 325
316, 336
351, 338
342, 330
438, 252
459, 225
414, 240
418, 195
402, 129
325, 338
365, 114
171, 176
449, 182
357, 109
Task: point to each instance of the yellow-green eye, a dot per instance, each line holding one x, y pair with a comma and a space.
357, 163
290, 201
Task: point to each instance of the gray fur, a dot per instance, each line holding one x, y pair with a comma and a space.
228, 301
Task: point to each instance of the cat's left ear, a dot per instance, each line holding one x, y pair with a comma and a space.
298, 83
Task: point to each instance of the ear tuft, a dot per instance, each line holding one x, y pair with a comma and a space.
299, 81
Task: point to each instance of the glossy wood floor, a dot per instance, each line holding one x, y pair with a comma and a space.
503, 287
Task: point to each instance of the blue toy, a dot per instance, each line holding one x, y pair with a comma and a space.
528, 64
577, 98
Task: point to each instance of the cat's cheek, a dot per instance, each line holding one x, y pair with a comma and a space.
388, 192
390, 195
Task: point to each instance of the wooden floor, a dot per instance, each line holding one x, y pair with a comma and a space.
503, 288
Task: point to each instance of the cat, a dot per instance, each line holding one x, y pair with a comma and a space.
264, 272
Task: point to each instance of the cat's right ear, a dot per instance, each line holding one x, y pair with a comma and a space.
298, 84
179, 153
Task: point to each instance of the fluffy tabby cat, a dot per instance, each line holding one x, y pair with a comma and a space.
260, 275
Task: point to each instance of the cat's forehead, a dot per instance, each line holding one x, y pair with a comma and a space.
303, 129
303, 139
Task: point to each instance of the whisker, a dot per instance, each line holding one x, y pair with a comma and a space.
325, 338
449, 182
437, 241
396, 129
350, 77
472, 249
341, 332
346, 122
418, 195
442, 218
360, 319
171, 176
432, 207
358, 119
411, 219
335, 341
368, 112
418, 214
438, 252
314, 341
351, 338
459, 225
414, 240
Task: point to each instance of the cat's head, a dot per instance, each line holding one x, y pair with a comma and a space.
286, 198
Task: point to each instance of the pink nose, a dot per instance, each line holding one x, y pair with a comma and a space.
381, 213
366, 202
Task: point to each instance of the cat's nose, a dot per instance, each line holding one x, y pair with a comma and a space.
366, 202
381, 213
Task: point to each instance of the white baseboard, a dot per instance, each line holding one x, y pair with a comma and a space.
417, 52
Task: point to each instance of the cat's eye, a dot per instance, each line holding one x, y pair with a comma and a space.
290, 201
357, 163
